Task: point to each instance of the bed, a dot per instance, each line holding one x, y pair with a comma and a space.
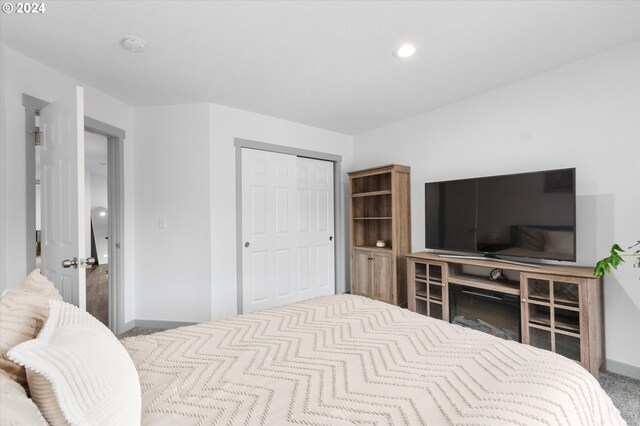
351, 360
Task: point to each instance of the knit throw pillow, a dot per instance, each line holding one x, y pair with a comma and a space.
23, 311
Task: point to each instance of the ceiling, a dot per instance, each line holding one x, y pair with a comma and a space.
324, 63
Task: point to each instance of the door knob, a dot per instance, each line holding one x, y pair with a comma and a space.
70, 263
331, 238
88, 262
247, 244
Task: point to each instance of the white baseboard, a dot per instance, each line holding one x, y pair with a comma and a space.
623, 369
160, 324
128, 326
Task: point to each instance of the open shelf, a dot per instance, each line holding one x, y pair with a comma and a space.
372, 193
374, 248
502, 286
373, 218
374, 182
372, 206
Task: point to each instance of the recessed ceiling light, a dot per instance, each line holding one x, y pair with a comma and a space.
405, 51
134, 44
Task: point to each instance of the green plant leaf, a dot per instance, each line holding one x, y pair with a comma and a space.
615, 259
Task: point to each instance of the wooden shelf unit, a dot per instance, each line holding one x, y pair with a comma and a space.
561, 307
379, 209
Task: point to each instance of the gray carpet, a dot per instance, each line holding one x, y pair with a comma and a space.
623, 391
139, 331
625, 394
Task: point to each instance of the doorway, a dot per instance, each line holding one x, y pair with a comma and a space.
113, 219
96, 199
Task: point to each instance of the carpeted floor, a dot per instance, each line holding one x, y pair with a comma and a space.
625, 394
623, 391
139, 331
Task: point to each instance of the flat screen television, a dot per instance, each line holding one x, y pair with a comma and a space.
530, 215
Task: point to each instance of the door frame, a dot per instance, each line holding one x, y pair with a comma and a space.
115, 165
338, 215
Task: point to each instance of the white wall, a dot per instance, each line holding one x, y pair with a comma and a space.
21, 74
187, 272
230, 123
173, 271
99, 195
184, 171
586, 115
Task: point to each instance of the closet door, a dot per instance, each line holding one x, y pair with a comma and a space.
269, 236
287, 229
316, 245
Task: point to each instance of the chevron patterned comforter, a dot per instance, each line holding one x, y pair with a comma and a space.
346, 359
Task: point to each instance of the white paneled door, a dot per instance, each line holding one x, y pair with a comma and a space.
315, 249
287, 229
62, 186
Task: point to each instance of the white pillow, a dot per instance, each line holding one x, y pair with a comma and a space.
78, 371
15, 406
23, 311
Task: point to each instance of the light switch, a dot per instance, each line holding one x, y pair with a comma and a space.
162, 223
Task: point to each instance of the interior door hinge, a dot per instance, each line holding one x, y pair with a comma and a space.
36, 130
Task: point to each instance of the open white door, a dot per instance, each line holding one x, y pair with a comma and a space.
62, 186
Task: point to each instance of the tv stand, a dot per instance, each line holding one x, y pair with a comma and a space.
493, 258
560, 307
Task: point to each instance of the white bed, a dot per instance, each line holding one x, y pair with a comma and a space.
351, 360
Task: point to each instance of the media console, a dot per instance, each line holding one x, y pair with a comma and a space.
560, 309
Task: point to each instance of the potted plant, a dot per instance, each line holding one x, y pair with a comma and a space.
616, 258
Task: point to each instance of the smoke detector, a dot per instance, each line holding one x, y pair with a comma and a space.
134, 44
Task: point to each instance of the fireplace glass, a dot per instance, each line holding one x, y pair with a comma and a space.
491, 312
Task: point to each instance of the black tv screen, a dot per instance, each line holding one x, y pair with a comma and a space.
523, 215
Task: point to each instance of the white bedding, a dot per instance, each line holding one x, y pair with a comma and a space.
348, 359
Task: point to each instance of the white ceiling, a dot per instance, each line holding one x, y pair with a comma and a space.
327, 63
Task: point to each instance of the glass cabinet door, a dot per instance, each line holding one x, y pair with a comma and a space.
430, 288
551, 314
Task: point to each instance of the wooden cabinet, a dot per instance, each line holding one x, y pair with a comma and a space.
372, 274
560, 306
427, 288
379, 210
562, 314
